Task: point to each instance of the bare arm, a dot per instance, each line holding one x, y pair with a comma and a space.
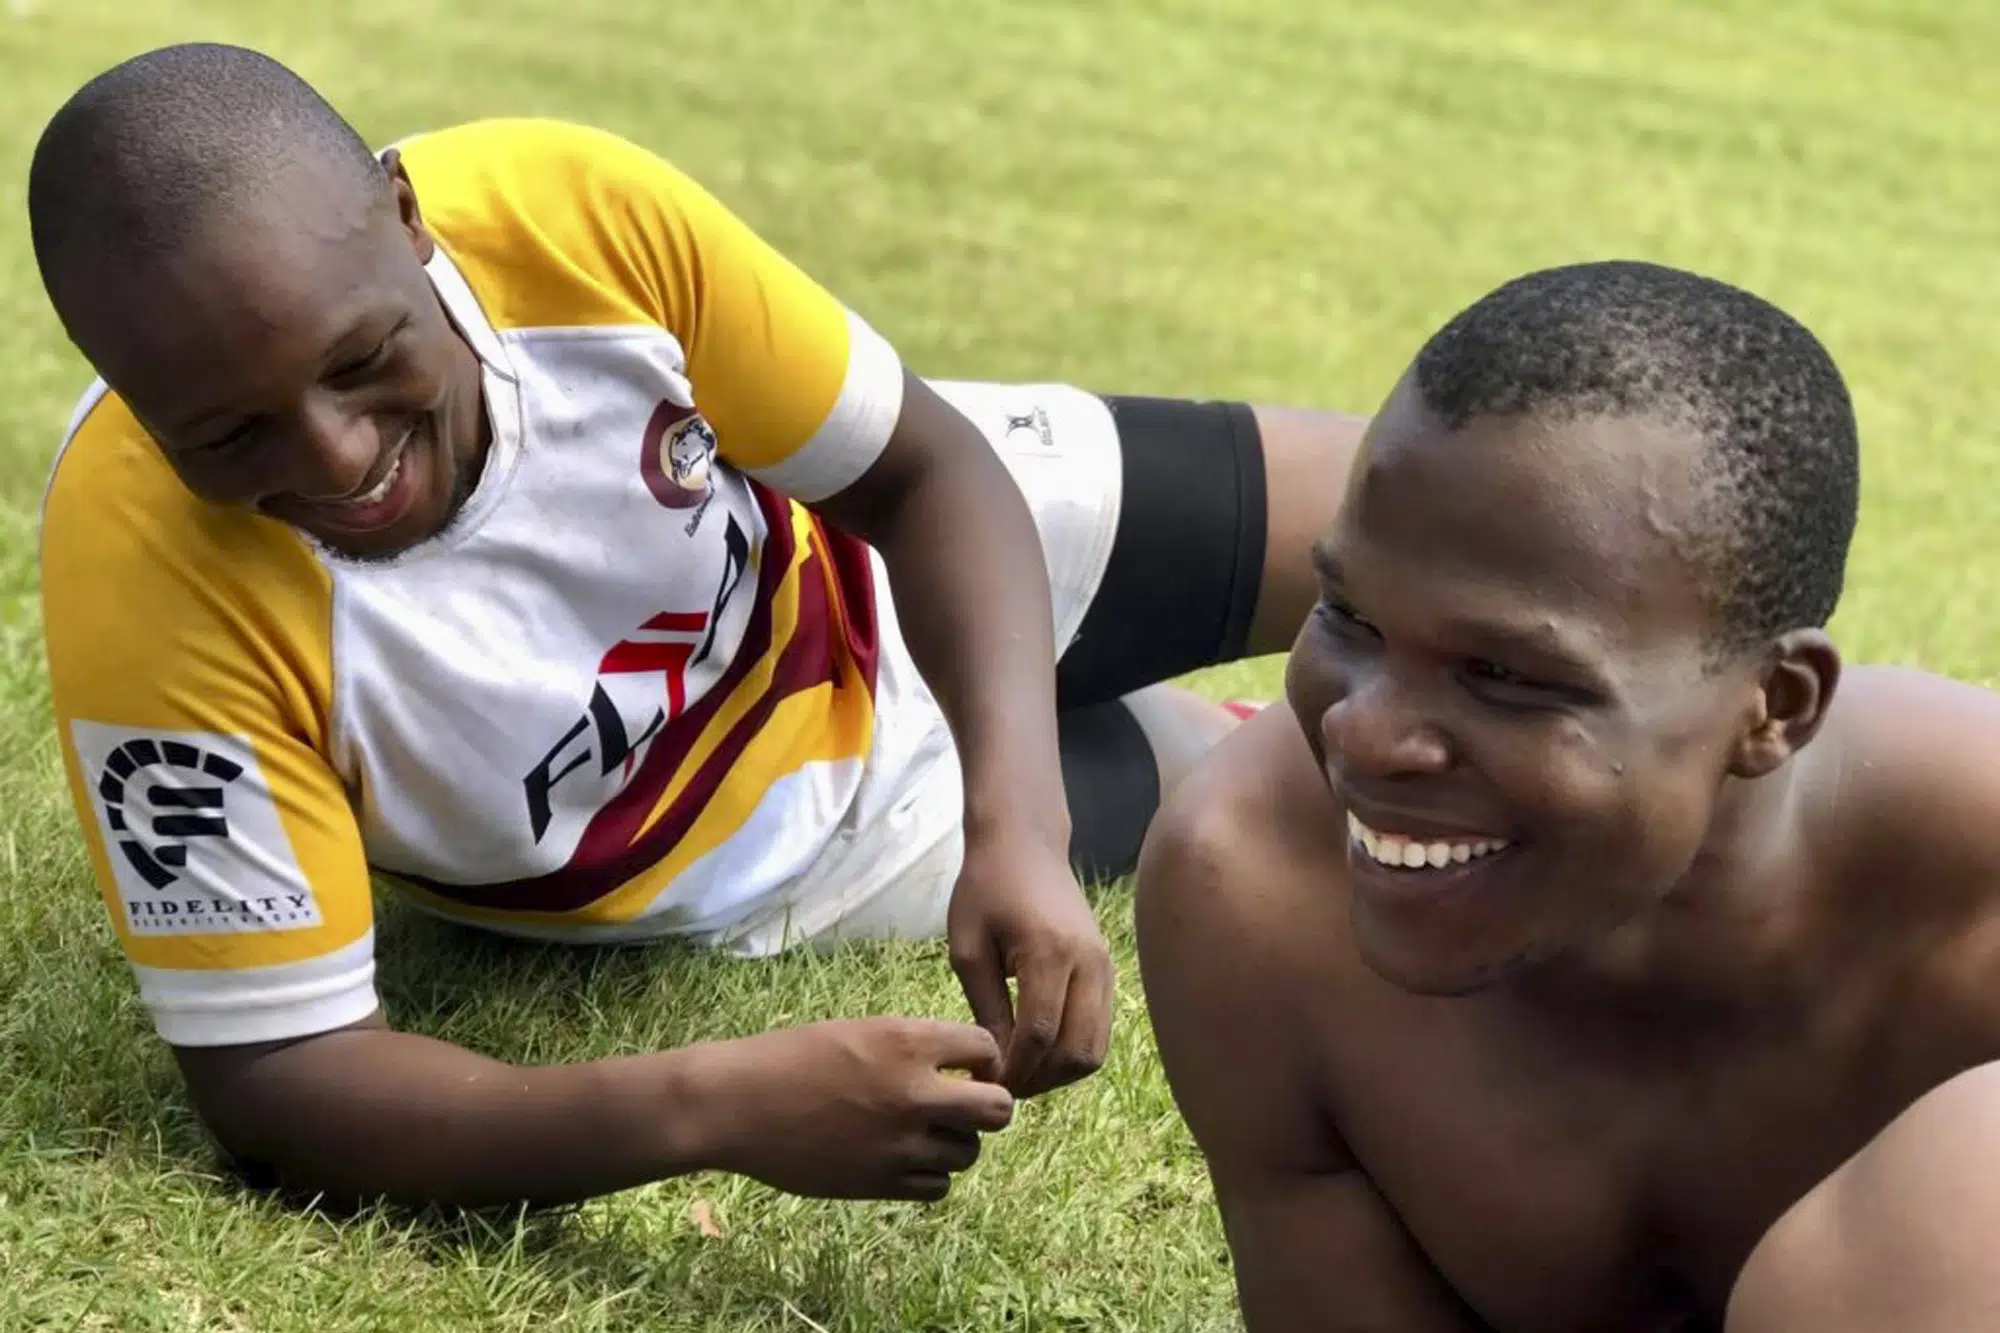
851, 1109
1900, 1238
970, 580
972, 591
1316, 1248
369, 1112
1322, 1253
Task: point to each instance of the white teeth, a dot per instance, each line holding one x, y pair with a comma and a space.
381, 488
1405, 853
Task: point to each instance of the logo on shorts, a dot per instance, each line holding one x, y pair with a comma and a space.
676, 455
195, 841
1036, 421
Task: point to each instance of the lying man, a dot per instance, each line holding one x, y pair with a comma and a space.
1580, 914
501, 516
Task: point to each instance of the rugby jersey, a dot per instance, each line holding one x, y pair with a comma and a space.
635, 688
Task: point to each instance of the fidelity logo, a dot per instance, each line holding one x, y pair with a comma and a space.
194, 837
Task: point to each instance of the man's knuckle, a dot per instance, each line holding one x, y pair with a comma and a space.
1082, 1057
1040, 1032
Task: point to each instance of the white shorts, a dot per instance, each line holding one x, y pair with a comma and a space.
892, 877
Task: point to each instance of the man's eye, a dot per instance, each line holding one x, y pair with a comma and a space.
357, 365
224, 441
1496, 674
1344, 617
1508, 688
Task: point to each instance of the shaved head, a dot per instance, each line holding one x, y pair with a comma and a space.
250, 280
155, 150
1779, 467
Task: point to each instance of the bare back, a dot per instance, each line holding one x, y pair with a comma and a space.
1533, 1160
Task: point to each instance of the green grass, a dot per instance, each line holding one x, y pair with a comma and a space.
1272, 198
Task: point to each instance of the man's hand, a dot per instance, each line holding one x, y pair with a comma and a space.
1017, 912
860, 1109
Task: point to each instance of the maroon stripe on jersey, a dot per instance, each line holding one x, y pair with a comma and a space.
607, 855
854, 593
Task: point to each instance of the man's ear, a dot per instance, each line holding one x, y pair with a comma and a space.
1795, 686
407, 211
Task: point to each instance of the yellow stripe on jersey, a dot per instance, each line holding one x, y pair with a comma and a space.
826, 723
559, 226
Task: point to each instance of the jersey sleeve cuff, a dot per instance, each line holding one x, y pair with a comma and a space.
857, 429
239, 1006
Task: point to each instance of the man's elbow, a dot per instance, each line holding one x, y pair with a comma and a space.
1784, 1286
264, 1107
1894, 1240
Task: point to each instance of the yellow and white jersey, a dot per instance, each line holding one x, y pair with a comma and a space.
634, 689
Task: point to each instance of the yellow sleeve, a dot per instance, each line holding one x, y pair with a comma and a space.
190, 668
799, 390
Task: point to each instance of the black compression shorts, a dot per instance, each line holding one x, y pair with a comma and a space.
1178, 594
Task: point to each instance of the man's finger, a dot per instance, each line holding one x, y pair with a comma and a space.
982, 973
1038, 1017
946, 1149
950, 1045
969, 1106
1086, 1032
924, 1186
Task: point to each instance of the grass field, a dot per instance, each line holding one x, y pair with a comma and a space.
1273, 198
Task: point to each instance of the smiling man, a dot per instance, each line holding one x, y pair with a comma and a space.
1580, 916
500, 516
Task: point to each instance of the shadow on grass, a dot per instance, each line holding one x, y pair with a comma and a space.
86, 1076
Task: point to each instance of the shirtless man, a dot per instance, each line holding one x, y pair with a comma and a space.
1581, 913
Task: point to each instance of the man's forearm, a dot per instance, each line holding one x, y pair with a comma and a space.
375, 1114
993, 671
971, 585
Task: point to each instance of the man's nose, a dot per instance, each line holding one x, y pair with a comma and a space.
1380, 730
336, 449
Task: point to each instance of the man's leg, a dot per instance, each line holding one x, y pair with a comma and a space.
1210, 562
1307, 458
1219, 506
1120, 759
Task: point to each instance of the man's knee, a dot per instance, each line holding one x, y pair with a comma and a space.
1113, 784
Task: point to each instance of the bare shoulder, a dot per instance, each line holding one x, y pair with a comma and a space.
1908, 771
1897, 1238
1911, 828
1940, 1153
1236, 895
1225, 857
1921, 747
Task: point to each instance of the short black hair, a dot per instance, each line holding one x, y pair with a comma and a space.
1779, 475
139, 157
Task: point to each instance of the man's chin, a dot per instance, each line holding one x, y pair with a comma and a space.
1416, 973
423, 519
385, 542
362, 547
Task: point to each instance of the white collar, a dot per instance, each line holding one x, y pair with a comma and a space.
465, 312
